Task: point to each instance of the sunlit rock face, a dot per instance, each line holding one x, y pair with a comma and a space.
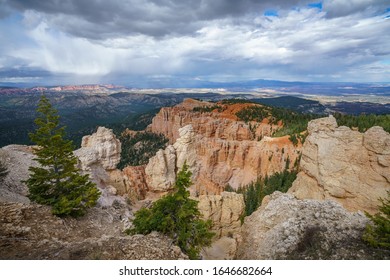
98, 156
101, 147
344, 165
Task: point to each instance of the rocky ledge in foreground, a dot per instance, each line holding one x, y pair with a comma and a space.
287, 228
30, 231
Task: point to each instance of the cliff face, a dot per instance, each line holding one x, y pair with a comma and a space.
347, 166
238, 163
220, 123
224, 211
219, 149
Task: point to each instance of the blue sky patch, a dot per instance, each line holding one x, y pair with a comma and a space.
271, 13
315, 5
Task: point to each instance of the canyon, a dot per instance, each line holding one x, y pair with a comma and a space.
219, 149
342, 173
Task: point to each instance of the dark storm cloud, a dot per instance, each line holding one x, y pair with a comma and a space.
101, 19
4, 9
23, 72
218, 39
340, 8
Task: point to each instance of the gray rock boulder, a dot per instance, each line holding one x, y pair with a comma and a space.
287, 228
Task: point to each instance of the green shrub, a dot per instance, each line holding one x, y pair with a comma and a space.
293, 122
177, 216
363, 122
378, 233
206, 109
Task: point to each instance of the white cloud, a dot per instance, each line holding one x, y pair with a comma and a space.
299, 44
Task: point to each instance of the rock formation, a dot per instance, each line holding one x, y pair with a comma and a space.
224, 211
216, 163
219, 149
30, 231
18, 159
344, 165
135, 176
287, 228
161, 170
98, 156
101, 148
220, 124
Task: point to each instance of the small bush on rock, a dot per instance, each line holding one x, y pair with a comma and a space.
177, 216
378, 233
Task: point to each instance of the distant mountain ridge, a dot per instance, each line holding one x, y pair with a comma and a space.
84, 107
326, 88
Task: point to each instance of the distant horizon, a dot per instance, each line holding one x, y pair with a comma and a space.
212, 84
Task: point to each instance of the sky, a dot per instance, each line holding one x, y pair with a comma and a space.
166, 43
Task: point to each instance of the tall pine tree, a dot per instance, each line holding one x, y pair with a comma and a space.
57, 182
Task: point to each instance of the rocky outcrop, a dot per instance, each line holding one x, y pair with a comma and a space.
32, 232
161, 170
224, 211
287, 228
101, 148
344, 165
98, 156
17, 159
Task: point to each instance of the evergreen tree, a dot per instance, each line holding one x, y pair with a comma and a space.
177, 216
378, 233
57, 181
